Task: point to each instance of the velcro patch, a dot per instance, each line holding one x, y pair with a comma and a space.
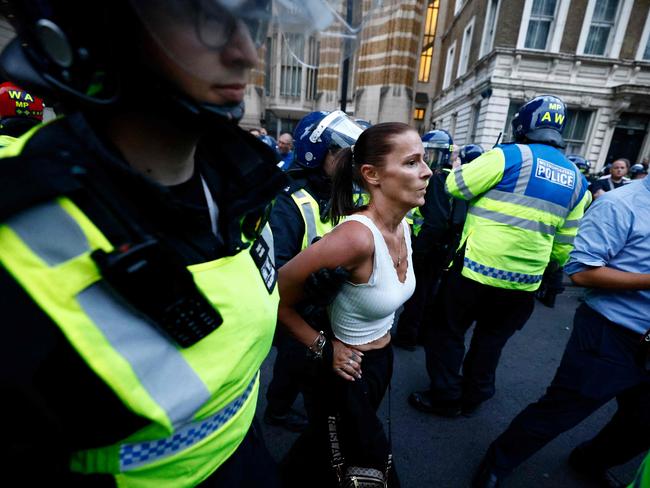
555, 174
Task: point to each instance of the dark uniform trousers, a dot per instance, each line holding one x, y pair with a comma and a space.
498, 313
598, 365
361, 434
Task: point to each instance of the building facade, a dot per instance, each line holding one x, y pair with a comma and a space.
594, 54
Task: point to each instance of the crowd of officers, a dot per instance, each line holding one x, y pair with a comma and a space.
139, 255
482, 249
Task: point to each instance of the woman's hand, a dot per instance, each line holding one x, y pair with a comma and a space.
346, 361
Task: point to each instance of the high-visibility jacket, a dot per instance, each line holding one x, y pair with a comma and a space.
642, 479
525, 205
199, 401
311, 216
6, 140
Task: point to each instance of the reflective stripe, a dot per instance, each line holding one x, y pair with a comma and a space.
513, 221
571, 224
50, 232
576, 194
501, 274
564, 239
526, 201
308, 214
526, 169
267, 235
135, 455
462, 186
163, 371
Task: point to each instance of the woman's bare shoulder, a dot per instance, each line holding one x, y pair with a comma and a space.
355, 237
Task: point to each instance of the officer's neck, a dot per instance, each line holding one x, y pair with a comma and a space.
155, 146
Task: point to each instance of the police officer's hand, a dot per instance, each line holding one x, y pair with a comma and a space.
346, 361
322, 286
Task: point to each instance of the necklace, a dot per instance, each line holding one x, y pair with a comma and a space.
399, 253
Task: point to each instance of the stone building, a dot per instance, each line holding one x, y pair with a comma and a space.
594, 54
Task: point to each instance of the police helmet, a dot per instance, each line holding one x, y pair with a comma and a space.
320, 132
637, 170
19, 110
438, 146
581, 163
469, 153
542, 120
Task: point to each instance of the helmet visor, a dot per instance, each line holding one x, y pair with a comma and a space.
341, 129
436, 154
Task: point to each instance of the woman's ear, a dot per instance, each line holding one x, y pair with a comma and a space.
370, 174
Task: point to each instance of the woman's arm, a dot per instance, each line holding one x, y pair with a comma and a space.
350, 245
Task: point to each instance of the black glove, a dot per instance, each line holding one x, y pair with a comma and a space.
551, 285
322, 286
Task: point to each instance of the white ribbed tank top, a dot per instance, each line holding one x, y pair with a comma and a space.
361, 313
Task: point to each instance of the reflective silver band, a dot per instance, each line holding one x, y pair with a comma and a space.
50, 232
163, 371
576, 193
571, 224
526, 201
133, 456
310, 219
526, 169
513, 221
462, 186
564, 239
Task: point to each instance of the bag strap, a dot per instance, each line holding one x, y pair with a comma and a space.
337, 460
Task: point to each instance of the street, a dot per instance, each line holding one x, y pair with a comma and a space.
437, 452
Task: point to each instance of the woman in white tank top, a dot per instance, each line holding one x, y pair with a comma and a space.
373, 244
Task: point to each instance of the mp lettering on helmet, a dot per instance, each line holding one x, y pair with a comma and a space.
555, 174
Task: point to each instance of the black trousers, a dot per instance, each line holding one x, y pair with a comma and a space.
498, 313
598, 365
363, 441
291, 374
427, 269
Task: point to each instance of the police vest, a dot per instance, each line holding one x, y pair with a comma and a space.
310, 211
6, 140
200, 401
642, 479
525, 205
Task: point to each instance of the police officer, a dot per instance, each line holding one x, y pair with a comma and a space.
525, 203
581, 163
20, 111
433, 234
138, 285
299, 216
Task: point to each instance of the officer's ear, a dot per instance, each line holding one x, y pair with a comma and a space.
370, 174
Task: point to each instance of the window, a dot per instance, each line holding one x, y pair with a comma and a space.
601, 28
458, 6
490, 27
293, 45
427, 43
449, 64
418, 114
311, 71
540, 24
575, 130
476, 112
463, 60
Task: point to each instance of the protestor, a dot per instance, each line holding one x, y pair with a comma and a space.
373, 245
525, 203
285, 151
442, 219
300, 216
137, 274
608, 353
614, 179
20, 111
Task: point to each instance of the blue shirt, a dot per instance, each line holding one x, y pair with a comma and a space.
615, 232
286, 161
